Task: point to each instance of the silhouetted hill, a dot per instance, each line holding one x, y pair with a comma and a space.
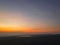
34, 40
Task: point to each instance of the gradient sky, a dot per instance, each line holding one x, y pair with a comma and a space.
30, 16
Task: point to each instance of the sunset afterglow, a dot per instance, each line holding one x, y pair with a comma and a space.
29, 17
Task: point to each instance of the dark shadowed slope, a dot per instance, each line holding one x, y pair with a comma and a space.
34, 40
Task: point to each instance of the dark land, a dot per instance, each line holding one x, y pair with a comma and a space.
34, 40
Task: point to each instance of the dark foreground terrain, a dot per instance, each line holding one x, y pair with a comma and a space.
34, 40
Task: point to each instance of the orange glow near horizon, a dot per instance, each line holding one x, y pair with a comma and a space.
28, 30
17, 22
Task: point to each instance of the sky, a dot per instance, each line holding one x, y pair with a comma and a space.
30, 16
